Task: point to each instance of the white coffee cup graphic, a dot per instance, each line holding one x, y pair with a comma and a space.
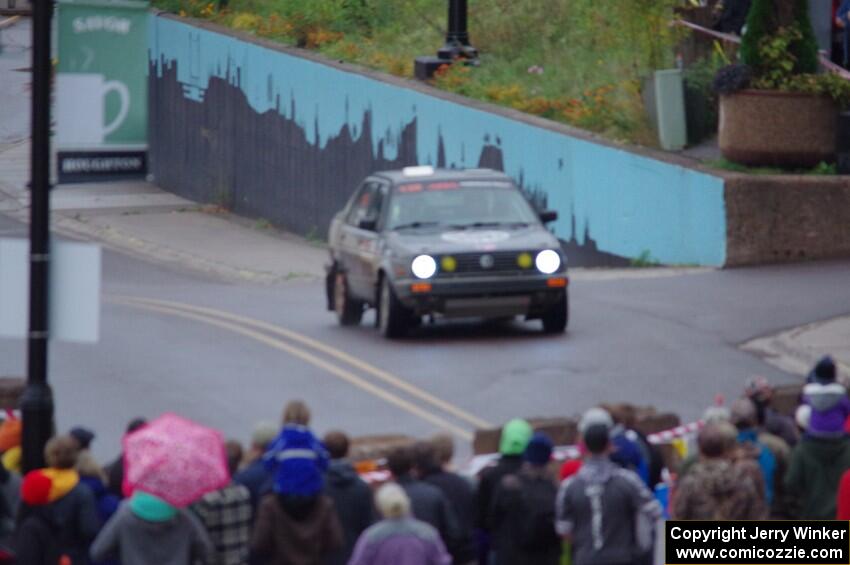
81, 107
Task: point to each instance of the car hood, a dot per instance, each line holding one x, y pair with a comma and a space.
442, 242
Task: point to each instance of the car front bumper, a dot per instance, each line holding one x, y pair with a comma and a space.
482, 296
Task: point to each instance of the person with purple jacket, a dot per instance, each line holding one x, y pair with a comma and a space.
828, 399
399, 539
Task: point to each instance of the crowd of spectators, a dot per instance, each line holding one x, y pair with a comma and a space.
295, 499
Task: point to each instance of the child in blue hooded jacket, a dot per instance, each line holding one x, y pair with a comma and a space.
296, 458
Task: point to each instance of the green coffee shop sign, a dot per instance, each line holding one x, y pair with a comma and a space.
101, 83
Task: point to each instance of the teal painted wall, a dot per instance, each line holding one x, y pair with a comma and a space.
627, 203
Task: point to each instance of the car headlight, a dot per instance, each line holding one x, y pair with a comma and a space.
548, 261
424, 267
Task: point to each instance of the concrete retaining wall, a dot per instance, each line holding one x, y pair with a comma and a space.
786, 218
286, 135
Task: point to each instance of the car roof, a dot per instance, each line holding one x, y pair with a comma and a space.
398, 176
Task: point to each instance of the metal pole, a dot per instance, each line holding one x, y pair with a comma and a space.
457, 34
37, 400
457, 31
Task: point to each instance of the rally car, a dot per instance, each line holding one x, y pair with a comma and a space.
444, 243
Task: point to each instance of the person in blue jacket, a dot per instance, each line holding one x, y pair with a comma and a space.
296, 458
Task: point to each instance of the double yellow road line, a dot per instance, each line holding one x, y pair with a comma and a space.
427, 406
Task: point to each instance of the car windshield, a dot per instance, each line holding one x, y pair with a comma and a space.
463, 205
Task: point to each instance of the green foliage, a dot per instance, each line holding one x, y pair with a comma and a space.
805, 49
589, 56
825, 84
760, 26
819, 169
769, 41
701, 104
778, 64
780, 70
644, 260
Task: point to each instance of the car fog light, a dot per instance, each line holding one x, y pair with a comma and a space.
548, 261
424, 267
448, 263
524, 260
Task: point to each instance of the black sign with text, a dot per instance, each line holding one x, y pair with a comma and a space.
89, 166
765, 542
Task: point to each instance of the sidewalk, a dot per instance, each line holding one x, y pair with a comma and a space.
797, 350
139, 218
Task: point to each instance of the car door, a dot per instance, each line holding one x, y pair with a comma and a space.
353, 238
365, 229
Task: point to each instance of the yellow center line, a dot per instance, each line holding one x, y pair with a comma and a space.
324, 348
308, 358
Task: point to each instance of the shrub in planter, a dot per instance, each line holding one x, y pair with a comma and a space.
701, 99
775, 110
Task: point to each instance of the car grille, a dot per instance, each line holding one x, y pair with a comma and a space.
504, 263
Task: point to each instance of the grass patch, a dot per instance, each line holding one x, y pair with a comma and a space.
726, 165
644, 260
566, 60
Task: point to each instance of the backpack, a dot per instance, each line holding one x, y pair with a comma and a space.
38, 541
537, 528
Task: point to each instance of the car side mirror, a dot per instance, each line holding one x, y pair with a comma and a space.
547, 216
368, 224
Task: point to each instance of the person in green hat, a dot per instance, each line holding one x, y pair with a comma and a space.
149, 531
514, 439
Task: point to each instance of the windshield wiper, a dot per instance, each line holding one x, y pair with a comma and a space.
489, 225
413, 225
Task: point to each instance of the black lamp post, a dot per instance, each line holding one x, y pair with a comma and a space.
457, 36
37, 399
457, 44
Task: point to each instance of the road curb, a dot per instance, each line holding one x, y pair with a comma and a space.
790, 350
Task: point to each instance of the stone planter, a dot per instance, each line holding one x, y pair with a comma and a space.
777, 129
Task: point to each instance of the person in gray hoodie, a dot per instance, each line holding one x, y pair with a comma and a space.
351, 496
603, 509
146, 530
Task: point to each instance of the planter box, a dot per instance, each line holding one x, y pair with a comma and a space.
777, 129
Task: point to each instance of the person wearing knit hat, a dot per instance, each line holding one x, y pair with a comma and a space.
512, 443
83, 436
602, 492
147, 530
515, 437
538, 452
54, 494
522, 517
828, 399
824, 371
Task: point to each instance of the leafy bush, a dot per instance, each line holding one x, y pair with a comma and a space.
575, 61
766, 23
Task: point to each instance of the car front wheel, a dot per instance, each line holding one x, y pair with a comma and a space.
348, 310
393, 317
555, 319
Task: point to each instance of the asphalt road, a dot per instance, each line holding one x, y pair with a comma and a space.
670, 342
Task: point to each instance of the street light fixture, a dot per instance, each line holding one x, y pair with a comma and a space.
456, 47
37, 399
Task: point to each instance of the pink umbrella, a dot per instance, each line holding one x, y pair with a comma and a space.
175, 459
